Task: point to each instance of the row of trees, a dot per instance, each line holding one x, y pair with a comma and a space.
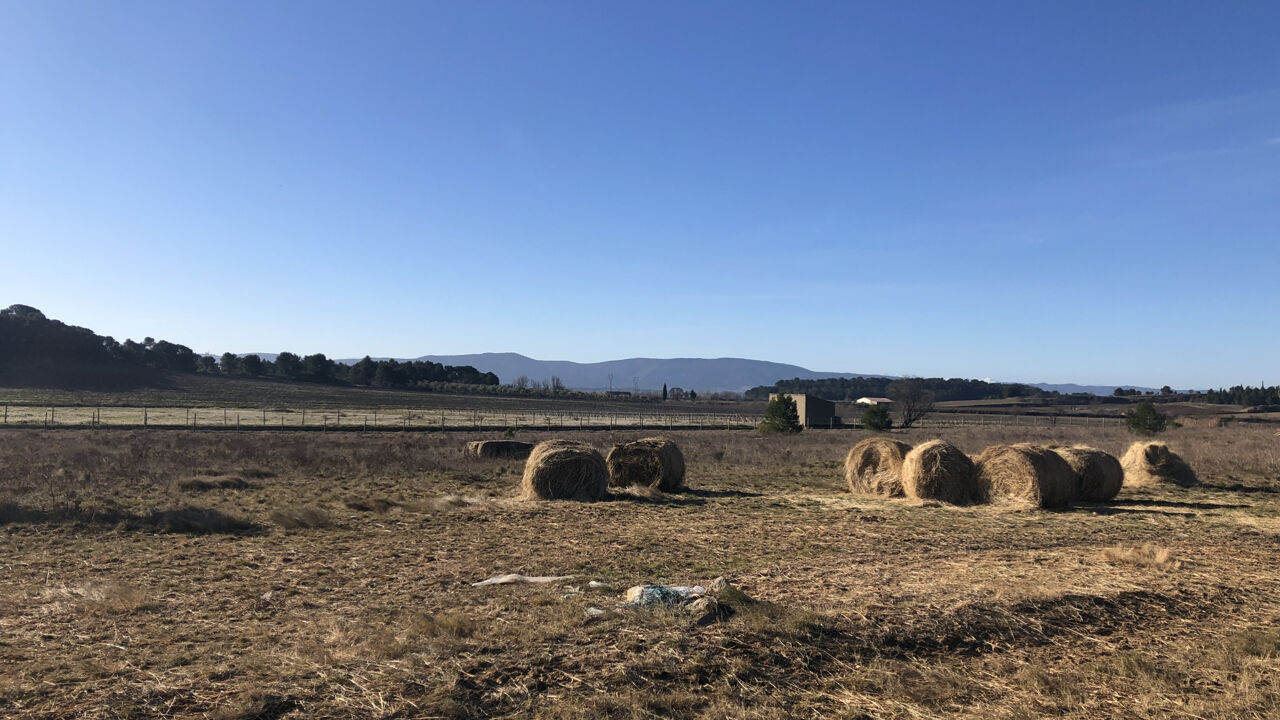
370, 372
1237, 395
943, 389
32, 345
27, 335
1243, 395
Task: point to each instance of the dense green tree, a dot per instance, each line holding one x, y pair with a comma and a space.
288, 366
362, 372
318, 368
230, 364
252, 365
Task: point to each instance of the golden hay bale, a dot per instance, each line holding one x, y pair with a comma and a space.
652, 462
564, 470
504, 449
1098, 475
874, 467
1024, 473
1153, 463
938, 470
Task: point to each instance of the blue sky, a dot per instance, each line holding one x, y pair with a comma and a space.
1067, 192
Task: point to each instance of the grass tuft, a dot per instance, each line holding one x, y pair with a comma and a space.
1145, 555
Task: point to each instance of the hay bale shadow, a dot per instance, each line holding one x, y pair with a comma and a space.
699, 492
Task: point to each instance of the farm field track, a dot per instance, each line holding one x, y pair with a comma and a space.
188, 574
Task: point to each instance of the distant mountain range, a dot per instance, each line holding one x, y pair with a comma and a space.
718, 374
1069, 388
715, 374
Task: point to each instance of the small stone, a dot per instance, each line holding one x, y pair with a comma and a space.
707, 610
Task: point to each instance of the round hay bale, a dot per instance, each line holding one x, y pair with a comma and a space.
1153, 463
938, 470
874, 467
651, 462
564, 470
499, 449
1025, 474
1098, 475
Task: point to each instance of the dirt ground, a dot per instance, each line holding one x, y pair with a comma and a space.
150, 574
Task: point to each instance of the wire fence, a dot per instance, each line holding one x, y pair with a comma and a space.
69, 416
358, 419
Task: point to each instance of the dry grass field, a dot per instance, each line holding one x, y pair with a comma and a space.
188, 574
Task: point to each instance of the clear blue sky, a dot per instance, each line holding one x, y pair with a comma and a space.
1072, 191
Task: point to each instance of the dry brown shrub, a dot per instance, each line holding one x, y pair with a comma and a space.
99, 597
216, 482
499, 449
564, 470
874, 467
938, 470
1145, 555
653, 462
1153, 463
302, 516
1098, 475
1024, 474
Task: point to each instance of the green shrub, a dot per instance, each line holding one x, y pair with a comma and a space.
781, 416
1146, 420
877, 418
